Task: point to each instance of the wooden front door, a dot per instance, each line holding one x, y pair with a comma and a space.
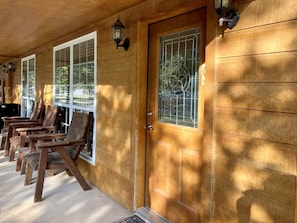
175, 117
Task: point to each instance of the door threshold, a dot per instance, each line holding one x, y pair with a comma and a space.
150, 216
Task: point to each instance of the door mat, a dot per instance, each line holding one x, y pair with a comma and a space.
132, 219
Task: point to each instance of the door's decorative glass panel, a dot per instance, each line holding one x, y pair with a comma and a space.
178, 78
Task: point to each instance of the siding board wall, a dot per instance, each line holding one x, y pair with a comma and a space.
256, 105
279, 97
272, 67
271, 38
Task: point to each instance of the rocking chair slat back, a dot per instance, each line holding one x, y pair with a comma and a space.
78, 129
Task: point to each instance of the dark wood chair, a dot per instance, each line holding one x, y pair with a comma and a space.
59, 154
47, 126
7, 119
35, 114
11, 123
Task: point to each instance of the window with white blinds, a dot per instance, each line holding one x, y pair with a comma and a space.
62, 76
75, 84
28, 85
83, 73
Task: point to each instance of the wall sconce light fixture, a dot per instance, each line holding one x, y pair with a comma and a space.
226, 13
11, 67
118, 33
3, 68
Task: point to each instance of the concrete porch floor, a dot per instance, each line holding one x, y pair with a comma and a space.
63, 200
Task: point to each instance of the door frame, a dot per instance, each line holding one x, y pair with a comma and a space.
141, 102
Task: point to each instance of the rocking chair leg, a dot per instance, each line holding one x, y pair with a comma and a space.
7, 143
74, 170
11, 152
28, 177
68, 172
3, 140
6, 148
19, 162
23, 167
40, 175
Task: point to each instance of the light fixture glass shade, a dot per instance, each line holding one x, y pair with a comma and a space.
118, 31
10, 65
118, 34
4, 68
222, 3
222, 7
226, 14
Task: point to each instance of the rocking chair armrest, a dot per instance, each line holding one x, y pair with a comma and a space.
11, 118
25, 124
52, 136
61, 143
9, 122
12, 121
4, 130
36, 128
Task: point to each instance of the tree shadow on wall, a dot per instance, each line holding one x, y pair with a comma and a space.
264, 205
255, 126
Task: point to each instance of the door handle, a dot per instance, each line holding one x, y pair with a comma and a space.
149, 113
149, 127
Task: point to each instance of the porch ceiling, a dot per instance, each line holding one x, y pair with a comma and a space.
27, 24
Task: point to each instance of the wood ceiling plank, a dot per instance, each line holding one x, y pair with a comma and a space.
28, 24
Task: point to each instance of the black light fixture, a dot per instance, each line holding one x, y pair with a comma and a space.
3, 68
226, 13
11, 67
118, 33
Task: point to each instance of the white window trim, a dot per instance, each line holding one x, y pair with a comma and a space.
70, 44
33, 56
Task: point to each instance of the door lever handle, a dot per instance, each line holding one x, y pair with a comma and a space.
149, 113
149, 127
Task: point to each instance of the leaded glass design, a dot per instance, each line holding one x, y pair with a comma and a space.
179, 78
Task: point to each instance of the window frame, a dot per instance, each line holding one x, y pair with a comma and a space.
72, 107
28, 98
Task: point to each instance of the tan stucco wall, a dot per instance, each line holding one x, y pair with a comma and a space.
44, 75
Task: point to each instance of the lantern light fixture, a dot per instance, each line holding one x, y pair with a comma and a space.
226, 13
11, 67
118, 29
3, 68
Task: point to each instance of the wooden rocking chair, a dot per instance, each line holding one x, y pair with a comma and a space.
10, 119
47, 126
11, 123
59, 154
